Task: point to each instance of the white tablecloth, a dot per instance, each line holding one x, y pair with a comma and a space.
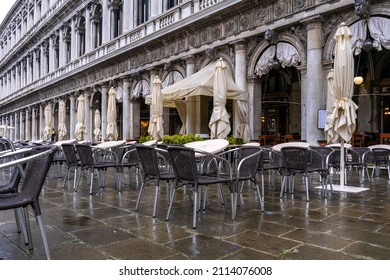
212, 146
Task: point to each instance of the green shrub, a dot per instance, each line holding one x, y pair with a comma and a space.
235, 141
181, 139
144, 139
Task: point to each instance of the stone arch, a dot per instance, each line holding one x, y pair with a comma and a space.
350, 18
263, 45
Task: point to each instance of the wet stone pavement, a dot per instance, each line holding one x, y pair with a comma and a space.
79, 226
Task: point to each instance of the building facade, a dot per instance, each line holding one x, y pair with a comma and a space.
280, 52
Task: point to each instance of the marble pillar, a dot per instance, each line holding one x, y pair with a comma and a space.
126, 109
72, 115
104, 110
191, 118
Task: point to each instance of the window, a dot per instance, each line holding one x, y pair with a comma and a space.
118, 15
143, 11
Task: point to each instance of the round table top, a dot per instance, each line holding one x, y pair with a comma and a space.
278, 147
379, 146
59, 143
212, 146
255, 144
109, 144
149, 143
338, 145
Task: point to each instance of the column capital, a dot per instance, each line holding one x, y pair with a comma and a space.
190, 59
313, 22
241, 44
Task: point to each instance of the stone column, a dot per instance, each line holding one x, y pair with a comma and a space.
17, 126
88, 29
191, 118
74, 43
28, 125
126, 108
104, 110
240, 68
51, 54
111, 12
41, 121
29, 66
72, 115
106, 22
128, 10
21, 126
34, 123
62, 47
314, 92
254, 105
87, 109
155, 8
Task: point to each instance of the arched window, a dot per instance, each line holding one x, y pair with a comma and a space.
143, 11
81, 36
68, 44
118, 21
171, 3
97, 21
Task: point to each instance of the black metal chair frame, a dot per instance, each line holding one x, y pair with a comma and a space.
192, 171
150, 159
38, 165
92, 159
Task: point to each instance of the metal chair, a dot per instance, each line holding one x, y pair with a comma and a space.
128, 159
72, 161
303, 161
245, 168
97, 159
186, 167
381, 157
358, 158
150, 170
38, 165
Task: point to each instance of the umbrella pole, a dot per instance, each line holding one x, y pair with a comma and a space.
342, 164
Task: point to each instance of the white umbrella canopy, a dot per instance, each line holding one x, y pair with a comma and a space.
219, 122
80, 127
344, 111
112, 130
48, 124
156, 129
97, 122
62, 131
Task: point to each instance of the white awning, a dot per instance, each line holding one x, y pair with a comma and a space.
200, 83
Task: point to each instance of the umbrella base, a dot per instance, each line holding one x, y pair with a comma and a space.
338, 188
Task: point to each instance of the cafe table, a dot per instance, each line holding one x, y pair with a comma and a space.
109, 144
149, 143
212, 146
278, 147
379, 146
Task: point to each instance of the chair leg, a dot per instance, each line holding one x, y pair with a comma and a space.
170, 205
307, 188
43, 235
155, 199
21, 225
66, 178
195, 210
233, 198
91, 181
259, 195
77, 177
28, 228
141, 190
